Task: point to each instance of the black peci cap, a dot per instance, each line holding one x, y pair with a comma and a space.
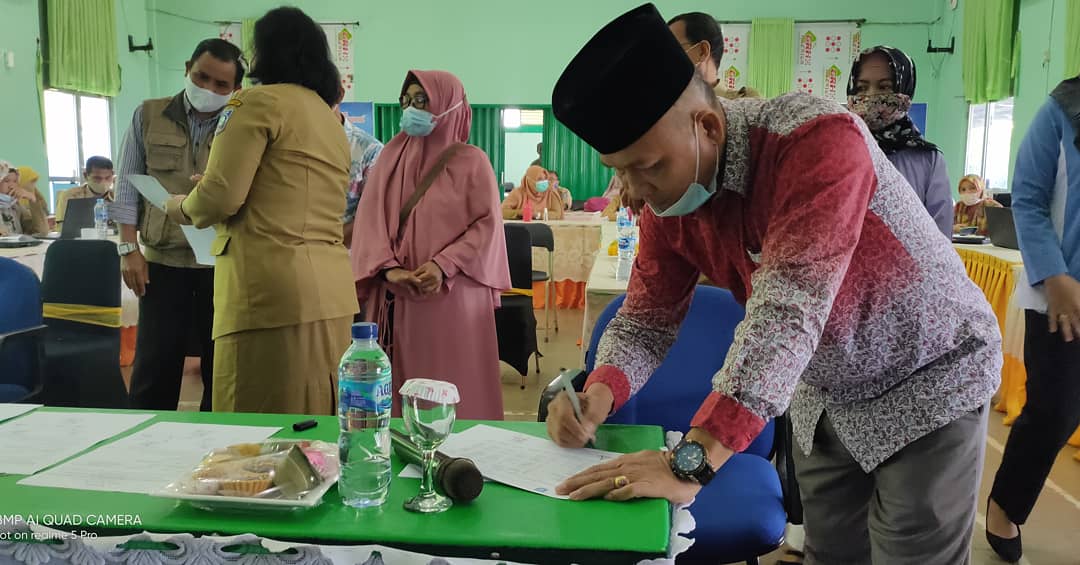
637, 54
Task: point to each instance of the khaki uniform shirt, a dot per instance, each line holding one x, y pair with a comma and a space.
273, 187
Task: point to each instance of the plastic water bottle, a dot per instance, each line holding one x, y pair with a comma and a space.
626, 244
101, 219
364, 396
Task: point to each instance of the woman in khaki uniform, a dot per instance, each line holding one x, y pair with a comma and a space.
283, 286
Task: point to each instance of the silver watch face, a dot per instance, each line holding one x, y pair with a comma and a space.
689, 457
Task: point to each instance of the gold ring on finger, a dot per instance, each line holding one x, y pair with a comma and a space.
620, 481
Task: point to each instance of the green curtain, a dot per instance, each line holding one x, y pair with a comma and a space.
81, 41
578, 164
1072, 38
772, 55
387, 121
247, 38
989, 36
488, 134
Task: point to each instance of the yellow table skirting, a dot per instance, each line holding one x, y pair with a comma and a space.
997, 278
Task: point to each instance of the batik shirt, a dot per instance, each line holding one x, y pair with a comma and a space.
856, 304
365, 150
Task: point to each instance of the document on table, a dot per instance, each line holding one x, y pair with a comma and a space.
35, 441
200, 239
149, 460
520, 460
9, 411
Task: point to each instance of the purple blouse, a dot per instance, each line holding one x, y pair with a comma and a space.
926, 173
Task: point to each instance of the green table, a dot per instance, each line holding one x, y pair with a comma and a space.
515, 525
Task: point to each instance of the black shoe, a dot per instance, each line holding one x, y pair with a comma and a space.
1011, 549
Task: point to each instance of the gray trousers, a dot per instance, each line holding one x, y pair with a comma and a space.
917, 508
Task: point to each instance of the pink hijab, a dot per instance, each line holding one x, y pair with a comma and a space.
457, 222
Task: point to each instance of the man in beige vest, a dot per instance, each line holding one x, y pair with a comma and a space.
170, 139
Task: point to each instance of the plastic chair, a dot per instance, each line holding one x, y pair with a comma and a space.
83, 359
21, 333
543, 237
741, 514
515, 321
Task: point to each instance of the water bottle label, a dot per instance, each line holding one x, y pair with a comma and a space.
370, 396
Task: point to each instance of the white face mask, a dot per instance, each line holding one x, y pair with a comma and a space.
970, 199
204, 100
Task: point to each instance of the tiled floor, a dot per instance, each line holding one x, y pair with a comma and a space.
1050, 537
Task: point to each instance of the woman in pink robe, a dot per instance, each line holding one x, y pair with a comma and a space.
433, 292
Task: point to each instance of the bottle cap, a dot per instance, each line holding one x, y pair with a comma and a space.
365, 330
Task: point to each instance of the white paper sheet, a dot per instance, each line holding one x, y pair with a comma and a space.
9, 411
147, 461
151, 189
520, 460
199, 239
35, 441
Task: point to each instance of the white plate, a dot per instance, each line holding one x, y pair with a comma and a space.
217, 502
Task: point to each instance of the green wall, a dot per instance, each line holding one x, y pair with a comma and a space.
1042, 61
488, 44
505, 51
21, 138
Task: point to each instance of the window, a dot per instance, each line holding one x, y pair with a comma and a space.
988, 142
514, 118
76, 128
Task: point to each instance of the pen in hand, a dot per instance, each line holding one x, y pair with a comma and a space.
568, 387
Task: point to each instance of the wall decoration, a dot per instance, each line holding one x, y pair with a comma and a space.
823, 56
733, 65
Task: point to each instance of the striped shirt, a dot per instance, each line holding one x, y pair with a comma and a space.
125, 209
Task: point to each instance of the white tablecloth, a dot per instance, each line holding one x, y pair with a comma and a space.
34, 257
576, 243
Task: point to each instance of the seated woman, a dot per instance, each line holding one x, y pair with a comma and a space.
431, 278
28, 180
21, 211
535, 187
970, 212
880, 91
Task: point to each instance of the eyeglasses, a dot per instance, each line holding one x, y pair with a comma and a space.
420, 101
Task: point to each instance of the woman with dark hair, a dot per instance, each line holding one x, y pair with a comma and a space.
433, 265
880, 91
283, 288
287, 51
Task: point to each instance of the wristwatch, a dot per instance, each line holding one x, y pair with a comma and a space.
690, 462
125, 249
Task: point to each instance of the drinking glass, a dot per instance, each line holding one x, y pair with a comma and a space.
428, 423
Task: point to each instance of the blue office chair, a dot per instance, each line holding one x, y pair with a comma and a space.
22, 349
741, 514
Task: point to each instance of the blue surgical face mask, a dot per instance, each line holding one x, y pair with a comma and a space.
542, 186
6, 201
696, 195
420, 123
